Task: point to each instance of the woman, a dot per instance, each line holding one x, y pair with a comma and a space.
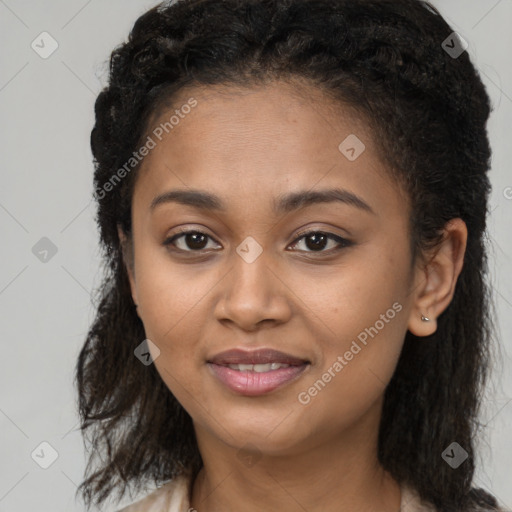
292, 200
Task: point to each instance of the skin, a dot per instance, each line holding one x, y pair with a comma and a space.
249, 146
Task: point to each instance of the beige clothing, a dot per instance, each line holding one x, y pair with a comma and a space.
174, 497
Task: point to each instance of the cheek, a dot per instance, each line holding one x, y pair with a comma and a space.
172, 314
170, 295
353, 296
356, 368
363, 314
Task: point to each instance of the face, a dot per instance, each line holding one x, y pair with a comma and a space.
279, 318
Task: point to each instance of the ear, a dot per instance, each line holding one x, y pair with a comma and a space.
128, 259
435, 280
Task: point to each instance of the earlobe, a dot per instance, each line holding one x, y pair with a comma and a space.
128, 259
437, 279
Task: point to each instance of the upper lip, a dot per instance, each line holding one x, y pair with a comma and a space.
260, 356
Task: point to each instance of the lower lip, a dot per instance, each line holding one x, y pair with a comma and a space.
253, 383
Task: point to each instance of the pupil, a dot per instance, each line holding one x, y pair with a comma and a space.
194, 238
318, 240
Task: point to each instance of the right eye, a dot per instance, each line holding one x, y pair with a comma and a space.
189, 241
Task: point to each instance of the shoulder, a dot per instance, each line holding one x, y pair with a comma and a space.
174, 496
411, 502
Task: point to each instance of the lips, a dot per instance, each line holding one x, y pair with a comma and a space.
257, 372
255, 357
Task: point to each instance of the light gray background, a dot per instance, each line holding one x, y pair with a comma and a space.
46, 108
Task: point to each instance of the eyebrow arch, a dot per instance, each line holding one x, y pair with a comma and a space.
284, 203
295, 200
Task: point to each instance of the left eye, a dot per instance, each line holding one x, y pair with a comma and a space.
316, 241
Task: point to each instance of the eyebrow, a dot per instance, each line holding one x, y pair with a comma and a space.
284, 203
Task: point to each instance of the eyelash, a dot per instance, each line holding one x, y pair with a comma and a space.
343, 242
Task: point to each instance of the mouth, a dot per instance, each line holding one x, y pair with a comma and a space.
258, 372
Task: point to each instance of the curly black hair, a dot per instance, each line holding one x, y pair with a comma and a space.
427, 110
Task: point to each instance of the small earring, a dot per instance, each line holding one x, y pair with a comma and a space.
425, 319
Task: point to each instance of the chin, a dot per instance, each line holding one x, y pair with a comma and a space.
262, 431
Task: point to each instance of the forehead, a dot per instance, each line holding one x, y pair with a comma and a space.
280, 111
261, 142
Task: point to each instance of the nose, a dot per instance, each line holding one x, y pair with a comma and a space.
253, 295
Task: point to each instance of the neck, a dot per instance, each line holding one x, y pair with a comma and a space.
340, 473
